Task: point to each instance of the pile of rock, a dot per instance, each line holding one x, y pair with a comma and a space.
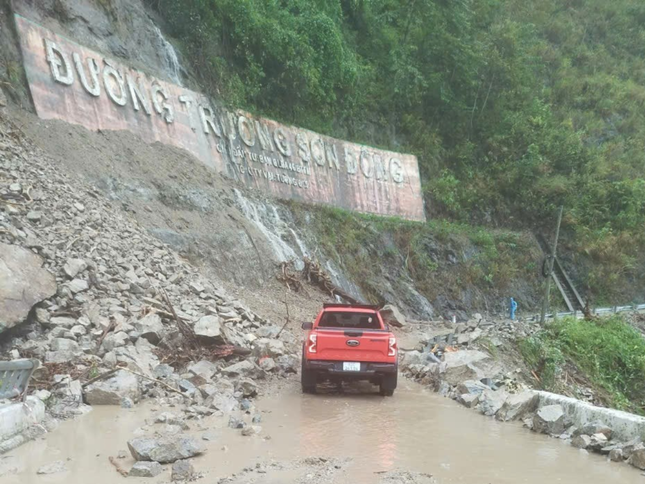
95, 289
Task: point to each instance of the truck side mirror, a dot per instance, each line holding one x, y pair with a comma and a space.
307, 326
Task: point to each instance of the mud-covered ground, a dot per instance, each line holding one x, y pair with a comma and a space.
336, 438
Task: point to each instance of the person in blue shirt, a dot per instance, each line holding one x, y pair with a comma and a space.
513, 308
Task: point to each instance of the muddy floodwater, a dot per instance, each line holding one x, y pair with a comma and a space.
415, 430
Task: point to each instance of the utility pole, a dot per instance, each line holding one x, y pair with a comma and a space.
547, 290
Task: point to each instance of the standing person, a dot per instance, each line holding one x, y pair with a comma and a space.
513, 308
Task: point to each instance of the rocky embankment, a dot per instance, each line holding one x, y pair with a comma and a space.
448, 362
115, 316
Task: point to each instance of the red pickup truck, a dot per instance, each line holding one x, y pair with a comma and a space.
349, 342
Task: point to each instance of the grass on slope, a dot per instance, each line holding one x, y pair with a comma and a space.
609, 352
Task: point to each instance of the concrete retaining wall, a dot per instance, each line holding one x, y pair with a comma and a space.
19, 418
625, 426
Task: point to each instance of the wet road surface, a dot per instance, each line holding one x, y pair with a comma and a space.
414, 430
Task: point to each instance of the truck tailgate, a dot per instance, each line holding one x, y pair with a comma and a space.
352, 345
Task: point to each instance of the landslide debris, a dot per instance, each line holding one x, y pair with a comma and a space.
114, 315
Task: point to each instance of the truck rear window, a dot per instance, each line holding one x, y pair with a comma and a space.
349, 320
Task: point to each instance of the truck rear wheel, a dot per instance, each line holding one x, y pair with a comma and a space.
388, 385
307, 379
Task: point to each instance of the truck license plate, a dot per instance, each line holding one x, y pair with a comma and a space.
351, 366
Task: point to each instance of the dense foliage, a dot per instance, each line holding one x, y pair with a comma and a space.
512, 107
611, 353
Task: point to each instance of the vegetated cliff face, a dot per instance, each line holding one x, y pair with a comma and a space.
429, 271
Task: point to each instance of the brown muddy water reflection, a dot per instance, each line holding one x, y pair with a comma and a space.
415, 430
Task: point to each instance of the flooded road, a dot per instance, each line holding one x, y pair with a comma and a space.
415, 430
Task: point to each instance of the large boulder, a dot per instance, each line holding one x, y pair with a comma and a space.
209, 329
462, 365
392, 316
23, 283
164, 449
110, 391
550, 419
517, 406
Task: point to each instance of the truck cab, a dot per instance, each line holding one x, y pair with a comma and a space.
349, 342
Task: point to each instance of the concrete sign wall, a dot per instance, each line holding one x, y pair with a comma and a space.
80, 86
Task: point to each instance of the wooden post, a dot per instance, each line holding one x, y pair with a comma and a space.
547, 289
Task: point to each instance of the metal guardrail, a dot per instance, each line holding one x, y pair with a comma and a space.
14, 377
598, 311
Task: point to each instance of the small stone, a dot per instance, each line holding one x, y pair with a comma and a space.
637, 458
163, 371
209, 436
251, 430
468, 400
150, 328
581, 442
187, 387
248, 387
15, 188
182, 470
73, 267
196, 287
42, 315
236, 423
267, 364
616, 455
203, 368
78, 285
34, 216
78, 330
209, 329
53, 468
145, 469
126, 402
42, 395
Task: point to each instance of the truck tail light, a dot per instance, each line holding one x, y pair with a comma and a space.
391, 348
313, 338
